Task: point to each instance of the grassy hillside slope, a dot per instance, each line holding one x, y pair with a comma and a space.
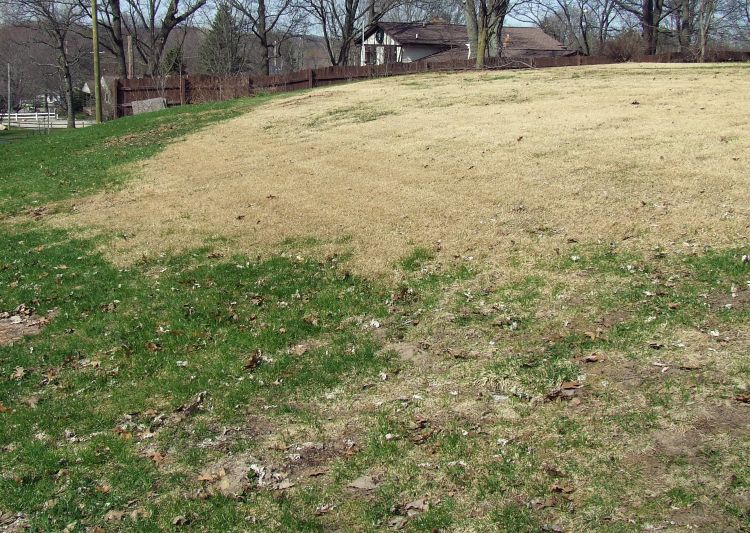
481, 301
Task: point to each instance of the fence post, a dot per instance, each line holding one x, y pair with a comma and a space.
182, 90
115, 99
310, 78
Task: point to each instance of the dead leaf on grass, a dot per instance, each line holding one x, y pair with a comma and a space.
561, 489
138, 513
566, 391
594, 357
190, 407
655, 345
284, 484
398, 522
542, 503
13, 522
229, 477
363, 483
180, 521
325, 508
114, 516
254, 361
157, 457
417, 506
108, 307
315, 472
124, 434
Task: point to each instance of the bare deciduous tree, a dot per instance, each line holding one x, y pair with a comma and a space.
484, 23
55, 22
340, 21
450, 11
650, 15
150, 22
272, 22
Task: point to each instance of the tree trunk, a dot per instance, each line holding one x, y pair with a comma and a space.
500, 12
481, 46
156, 50
470, 11
265, 58
262, 32
117, 40
343, 58
650, 21
582, 27
122, 64
152, 65
69, 95
348, 31
647, 23
705, 15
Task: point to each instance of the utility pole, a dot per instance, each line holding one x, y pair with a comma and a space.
131, 58
97, 70
8, 106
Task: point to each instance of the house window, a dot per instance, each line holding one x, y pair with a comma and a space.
389, 54
370, 54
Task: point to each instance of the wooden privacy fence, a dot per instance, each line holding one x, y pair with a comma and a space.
193, 89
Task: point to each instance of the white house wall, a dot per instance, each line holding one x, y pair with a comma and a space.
379, 51
415, 52
404, 54
387, 39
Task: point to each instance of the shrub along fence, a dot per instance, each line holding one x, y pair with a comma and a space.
193, 89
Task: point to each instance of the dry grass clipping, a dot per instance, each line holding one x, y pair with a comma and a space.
485, 163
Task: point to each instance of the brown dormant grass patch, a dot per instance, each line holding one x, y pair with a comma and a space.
483, 162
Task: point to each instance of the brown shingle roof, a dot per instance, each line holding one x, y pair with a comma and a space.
419, 33
529, 39
455, 36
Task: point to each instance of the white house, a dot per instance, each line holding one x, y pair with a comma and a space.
404, 42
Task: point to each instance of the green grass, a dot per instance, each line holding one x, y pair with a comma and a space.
19, 133
69, 163
214, 315
287, 353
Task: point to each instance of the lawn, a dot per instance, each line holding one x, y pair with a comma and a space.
440, 302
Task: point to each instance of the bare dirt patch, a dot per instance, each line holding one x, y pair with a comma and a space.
737, 299
21, 322
546, 159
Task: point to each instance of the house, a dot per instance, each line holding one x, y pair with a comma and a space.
404, 42
40, 102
